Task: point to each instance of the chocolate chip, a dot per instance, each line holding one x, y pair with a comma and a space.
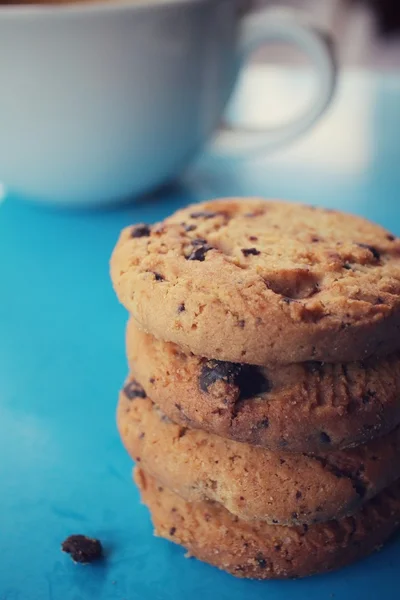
158, 276
347, 266
182, 432
164, 418
160, 488
298, 495
390, 237
314, 367
282, 461
172, 531
141, 436
200, 252
181, 308
278, 547
178, 406
295, 515
241, 323
275, 521
205, 214
216, 370
305, 527
188, 227
360, 488
263, 424
367, 396
370, 427
133, 390
261, 561
282, 443
324, 438
315, 239
258, 212
152, 380
138, 459
375, 253
250, 251
253, 238
82, 548
247, 378
140, 231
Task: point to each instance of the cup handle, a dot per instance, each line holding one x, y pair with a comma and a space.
274, 25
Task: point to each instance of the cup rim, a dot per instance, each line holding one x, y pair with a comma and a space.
89, 6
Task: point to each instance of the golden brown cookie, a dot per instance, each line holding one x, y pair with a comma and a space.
305, 407
255, 281
260, 551
252, 482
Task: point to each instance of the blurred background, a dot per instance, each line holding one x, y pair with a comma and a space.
367, 32
351, 157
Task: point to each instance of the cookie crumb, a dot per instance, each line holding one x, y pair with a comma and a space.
82, 549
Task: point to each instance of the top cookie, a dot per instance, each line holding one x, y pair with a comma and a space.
263, 281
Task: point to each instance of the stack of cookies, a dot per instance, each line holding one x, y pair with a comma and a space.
263, 403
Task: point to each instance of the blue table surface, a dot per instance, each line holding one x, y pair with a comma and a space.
62, 467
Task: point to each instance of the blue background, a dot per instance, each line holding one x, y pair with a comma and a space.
62, 466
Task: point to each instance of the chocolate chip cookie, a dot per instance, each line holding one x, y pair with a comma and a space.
253, 281
305, 407
258, 550
252, 482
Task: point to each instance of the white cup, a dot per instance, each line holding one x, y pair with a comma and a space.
101, 102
